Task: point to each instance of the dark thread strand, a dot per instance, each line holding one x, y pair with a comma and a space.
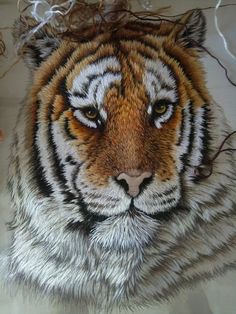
199, 171
215, 58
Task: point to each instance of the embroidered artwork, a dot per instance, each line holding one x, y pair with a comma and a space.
109, 207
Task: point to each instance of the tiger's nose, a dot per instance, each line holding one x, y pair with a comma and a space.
133, 181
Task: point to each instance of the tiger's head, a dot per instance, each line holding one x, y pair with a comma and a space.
116, 122
104, 154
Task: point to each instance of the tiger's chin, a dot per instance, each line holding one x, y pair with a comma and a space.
134, 227
131, 230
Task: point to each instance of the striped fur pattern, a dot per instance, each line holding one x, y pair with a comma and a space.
77, 233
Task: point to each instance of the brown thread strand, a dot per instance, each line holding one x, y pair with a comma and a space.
222, 144
198, 171
10, 67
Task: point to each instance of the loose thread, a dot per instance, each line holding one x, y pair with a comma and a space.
199, 171
10, 67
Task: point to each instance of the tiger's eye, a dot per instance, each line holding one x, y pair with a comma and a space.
91, 113
160, 108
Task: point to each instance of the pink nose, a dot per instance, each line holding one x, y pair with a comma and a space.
133, 180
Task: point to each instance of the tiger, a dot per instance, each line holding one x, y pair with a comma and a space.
108, 207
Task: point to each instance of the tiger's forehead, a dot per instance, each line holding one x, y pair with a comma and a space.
90, 80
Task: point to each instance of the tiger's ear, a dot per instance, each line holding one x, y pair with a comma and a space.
37, 47
190, 30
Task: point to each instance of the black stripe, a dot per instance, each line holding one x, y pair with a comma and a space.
91, 78
166, 216
39, 172
168, 201
165, 193
191, 136
182, 127
205, 132
56, 163
205, 137
173, 75
63, 90
95, 90
19, 179
70, 160
160, 216
35, 55
160, 79
67, 129
75, 198
202, 129
184, 156
87, 225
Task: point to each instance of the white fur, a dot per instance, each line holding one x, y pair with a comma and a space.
157, 74
97, 88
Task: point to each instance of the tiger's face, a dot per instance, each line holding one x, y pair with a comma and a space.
123, 118
118, 122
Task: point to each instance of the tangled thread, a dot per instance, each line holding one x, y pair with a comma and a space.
69, 19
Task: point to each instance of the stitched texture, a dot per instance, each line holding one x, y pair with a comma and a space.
107, 208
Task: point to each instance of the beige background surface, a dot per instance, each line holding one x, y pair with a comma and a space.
215, 297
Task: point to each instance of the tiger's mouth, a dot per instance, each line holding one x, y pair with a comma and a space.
159, 216
91, 218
